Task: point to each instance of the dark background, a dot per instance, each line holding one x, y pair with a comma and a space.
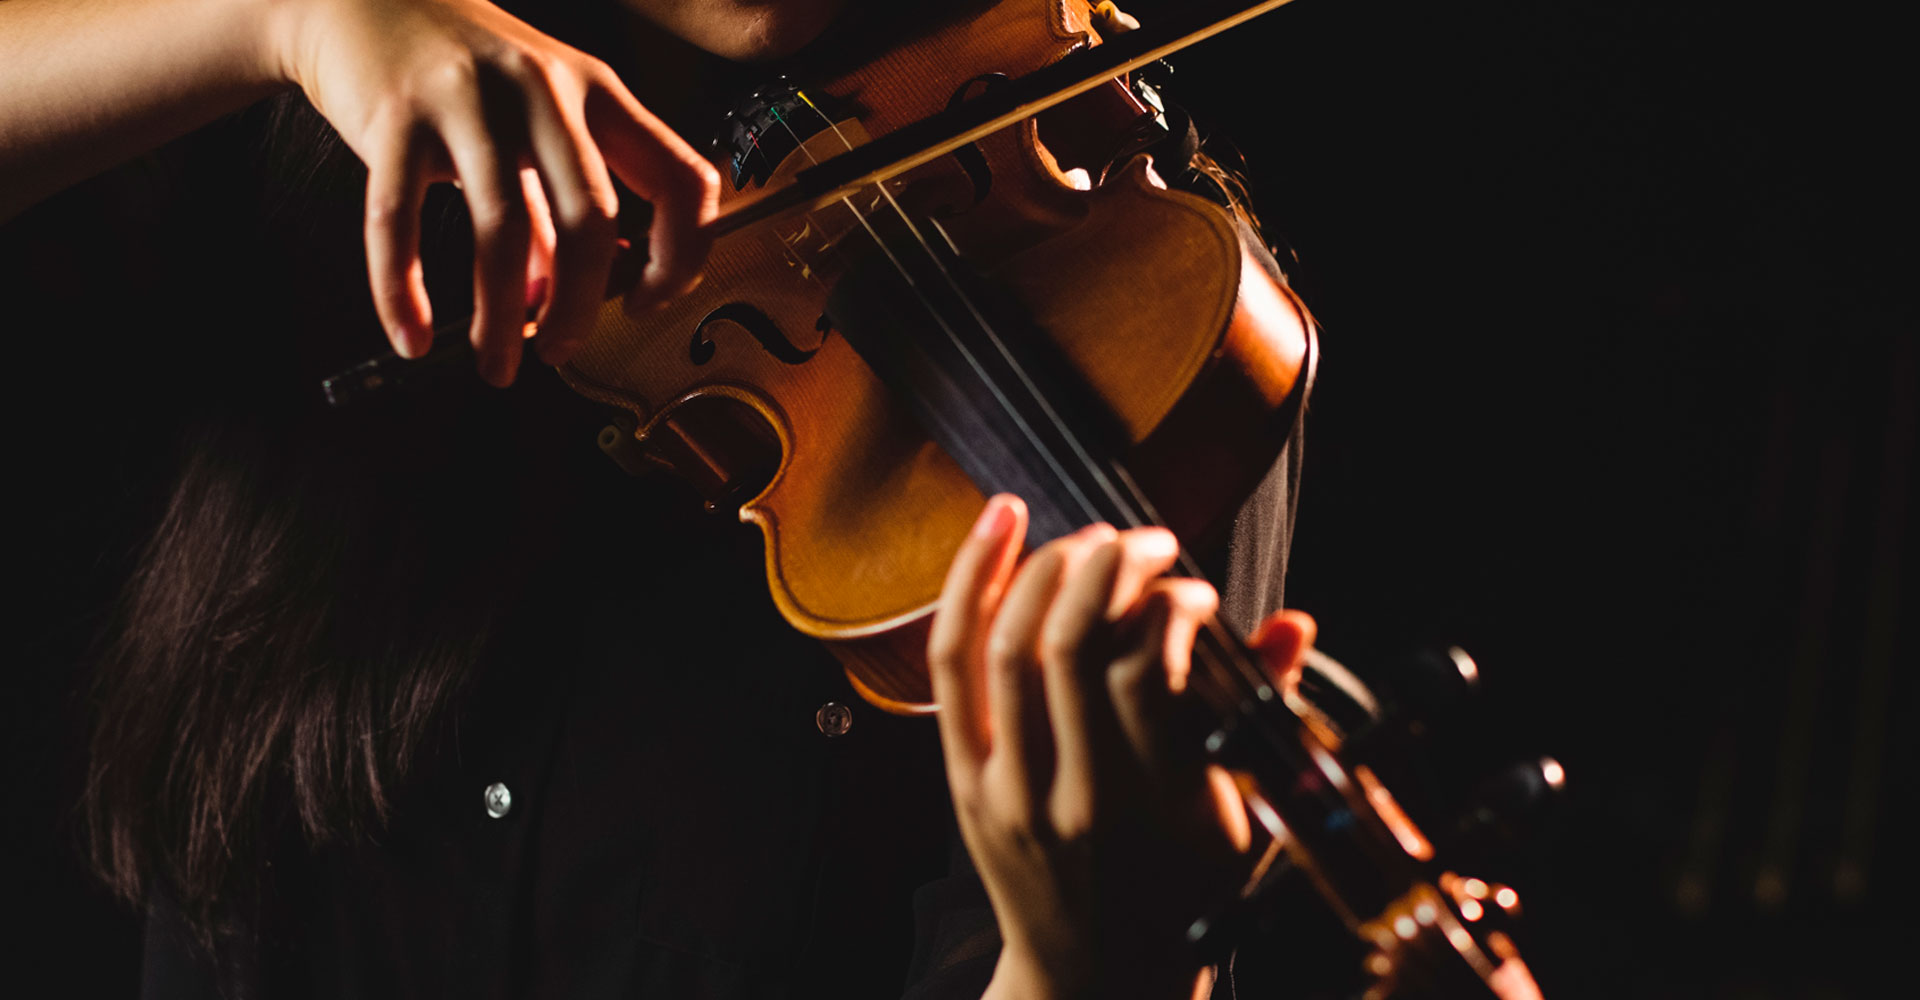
1617, 393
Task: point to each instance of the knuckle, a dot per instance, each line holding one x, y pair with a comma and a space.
489, 216
1004, 651
690, 180
1016, 823
452, 74
1157, 602
1097, 533
585, 219
1073, 819
1196, 598
969, 806
706, 177
1060, 644
943, 648
385, 209
521, 65
1138, 545
590, 70
605, 202
1052, 557
389, 124
499, 217
583, 69
1129, 675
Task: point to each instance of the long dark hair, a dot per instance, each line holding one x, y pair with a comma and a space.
254, 649
319, 584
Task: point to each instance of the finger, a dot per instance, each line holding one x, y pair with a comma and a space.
956, 649
396, 186
1145, 553
1072, 651
683, 188
1199, 602
584, 205
539, 247
1145, 677
1015, 683
1282, 640
1229, 808
489, 173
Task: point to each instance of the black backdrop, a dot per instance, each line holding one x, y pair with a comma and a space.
1617, 393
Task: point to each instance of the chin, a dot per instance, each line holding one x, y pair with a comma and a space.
743, 30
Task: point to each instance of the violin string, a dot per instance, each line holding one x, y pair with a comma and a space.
846, 200
1235, 680
1086, 461
1087, 508
1235, 667
754, 137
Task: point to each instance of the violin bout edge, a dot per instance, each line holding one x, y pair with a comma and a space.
1198, 465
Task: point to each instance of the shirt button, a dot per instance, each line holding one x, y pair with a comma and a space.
499, 800
834, 719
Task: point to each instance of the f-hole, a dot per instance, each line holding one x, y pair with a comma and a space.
758, 325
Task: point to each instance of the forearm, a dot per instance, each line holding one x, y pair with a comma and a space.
86, 84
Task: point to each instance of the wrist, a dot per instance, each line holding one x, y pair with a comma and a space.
277, 27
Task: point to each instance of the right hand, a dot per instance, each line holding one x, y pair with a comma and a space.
529, 128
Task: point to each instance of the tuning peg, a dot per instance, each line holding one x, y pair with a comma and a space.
1427, 739
1440, 749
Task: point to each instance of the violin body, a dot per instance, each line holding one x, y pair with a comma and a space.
1036, 312
1153, 298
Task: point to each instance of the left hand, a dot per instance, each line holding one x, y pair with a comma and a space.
1099, 833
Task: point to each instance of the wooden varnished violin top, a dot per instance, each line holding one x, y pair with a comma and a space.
1150, 296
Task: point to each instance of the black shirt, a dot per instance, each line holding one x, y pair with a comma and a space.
686, 817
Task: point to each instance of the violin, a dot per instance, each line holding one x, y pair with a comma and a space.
943, 273
825, 340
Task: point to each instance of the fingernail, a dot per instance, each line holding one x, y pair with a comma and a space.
995, 521
405, 343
